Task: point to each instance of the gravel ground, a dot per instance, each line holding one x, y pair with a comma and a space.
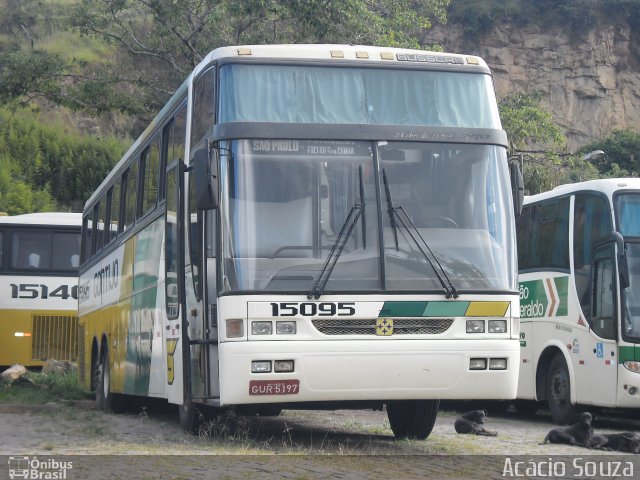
297, 444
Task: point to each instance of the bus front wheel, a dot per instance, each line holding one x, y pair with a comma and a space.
559, 391
412, 419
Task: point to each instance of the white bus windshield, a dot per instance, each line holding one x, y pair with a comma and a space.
628, 210
349, 95
285, 202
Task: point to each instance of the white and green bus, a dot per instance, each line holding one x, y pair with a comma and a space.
579, 264
308, 226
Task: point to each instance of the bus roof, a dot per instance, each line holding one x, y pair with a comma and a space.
337, 53
60, 219
604, 185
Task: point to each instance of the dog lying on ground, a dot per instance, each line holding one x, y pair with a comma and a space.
621, 442
471, 422
578, 433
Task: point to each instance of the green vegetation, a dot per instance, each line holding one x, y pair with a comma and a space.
114, 63
47, 166
41, 388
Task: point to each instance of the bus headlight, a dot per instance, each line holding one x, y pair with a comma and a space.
285, 328
261, 328
235, 327
632, 365
475, 326
497, 326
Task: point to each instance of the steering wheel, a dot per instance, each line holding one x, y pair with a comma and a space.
444, 222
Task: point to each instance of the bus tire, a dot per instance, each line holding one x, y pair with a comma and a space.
412, 419
559, 391
105, 399
190, 417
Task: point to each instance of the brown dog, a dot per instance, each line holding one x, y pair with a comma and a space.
577, 433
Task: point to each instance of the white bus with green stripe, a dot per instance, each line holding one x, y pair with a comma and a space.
308, 226
579, 264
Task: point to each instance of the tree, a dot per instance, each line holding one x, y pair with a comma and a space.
157, 42
535, 140
622, 149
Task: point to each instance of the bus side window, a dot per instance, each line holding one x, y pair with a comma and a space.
149, 166
98, 222
113, 214
591, 224
130, 197
603, 321
87, 236
522, 229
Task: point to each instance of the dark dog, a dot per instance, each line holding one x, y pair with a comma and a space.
471, 422
621, 442
577, 433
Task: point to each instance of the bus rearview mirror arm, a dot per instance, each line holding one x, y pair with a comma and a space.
622, 259
517, 187
205, 168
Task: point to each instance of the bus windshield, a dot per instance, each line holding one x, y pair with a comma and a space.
628, 211
349, 95
286, 201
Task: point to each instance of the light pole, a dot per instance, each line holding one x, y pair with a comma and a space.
594, 155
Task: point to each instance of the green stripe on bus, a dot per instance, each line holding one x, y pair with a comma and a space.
446, 309
403, 309
628, 352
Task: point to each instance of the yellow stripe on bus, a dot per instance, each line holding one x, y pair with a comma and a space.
487, 309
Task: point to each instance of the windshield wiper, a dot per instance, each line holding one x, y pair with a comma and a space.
356, 212
396, 218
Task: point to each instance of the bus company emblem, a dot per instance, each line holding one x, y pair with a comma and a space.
384, 327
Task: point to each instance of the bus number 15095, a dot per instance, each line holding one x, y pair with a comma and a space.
310, 309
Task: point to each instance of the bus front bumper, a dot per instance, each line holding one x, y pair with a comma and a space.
368, 370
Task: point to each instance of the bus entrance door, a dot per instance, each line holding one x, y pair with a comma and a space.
603, 324
201, 307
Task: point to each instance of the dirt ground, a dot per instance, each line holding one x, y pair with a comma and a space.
316, 443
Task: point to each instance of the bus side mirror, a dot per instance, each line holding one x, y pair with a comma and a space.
205, 170
517, 187
623, 267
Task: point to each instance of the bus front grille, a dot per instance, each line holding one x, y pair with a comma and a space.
401, 326
54, 336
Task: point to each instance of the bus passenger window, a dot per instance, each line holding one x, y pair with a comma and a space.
130, 197
149, 164
87, 237
113, 200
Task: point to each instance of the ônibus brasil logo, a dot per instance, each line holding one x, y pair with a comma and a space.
36, 469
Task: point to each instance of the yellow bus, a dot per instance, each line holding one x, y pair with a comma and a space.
308, 226
39, 259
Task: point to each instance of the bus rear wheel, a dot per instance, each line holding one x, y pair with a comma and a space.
105, 399
559, 391
412, 419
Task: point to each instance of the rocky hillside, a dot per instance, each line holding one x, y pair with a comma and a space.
591, 83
